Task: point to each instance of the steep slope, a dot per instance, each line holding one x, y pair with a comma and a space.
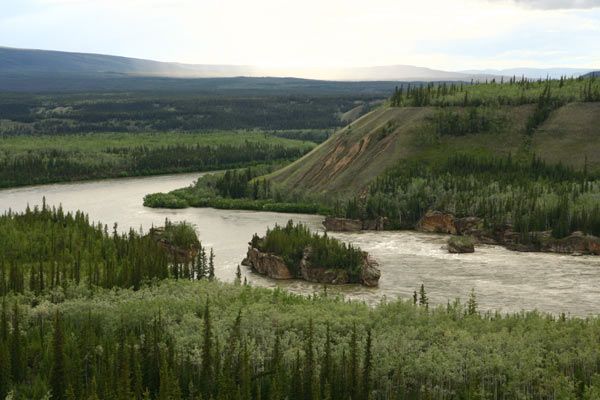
347, 162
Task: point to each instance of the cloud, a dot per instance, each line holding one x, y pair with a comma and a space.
556, 4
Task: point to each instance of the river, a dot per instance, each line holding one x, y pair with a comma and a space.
503, 280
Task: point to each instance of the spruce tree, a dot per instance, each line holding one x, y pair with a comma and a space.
206, 372
211, 265
423, 300
16, 350
367, 366
472, 304
58, 373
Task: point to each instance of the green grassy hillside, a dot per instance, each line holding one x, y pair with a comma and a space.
354, 156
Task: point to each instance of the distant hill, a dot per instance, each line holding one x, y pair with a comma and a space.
592, 74
44, 70
532, 73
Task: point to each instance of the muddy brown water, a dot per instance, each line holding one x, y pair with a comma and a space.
503, 280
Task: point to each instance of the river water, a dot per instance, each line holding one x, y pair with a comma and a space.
503, 280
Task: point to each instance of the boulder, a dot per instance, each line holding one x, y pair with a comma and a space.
437, 222
267, 264
460, 244
342, 224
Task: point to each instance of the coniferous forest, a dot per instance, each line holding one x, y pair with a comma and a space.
92, 314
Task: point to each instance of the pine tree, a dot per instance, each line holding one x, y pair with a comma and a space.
206, 373
58, 374
211, 265
472, 304
367, 366
16, 351
309, 362
354, 363
423, 300
238, 276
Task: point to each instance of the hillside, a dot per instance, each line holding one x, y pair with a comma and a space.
355, 155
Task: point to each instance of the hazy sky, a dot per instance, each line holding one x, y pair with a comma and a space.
446, 34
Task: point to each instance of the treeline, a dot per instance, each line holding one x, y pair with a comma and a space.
57, 165
44, 249
223, 341
529, 194
240, 189
448, 122
513, 92
292, 240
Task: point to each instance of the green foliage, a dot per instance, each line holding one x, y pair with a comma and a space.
529, 194
180, 234
47, 249
233, 190
183, 334
295, 108
513, 92
291, 241
465, 122
34, 160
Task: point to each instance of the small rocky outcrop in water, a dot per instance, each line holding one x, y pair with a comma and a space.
460, 244
335, 224
267, 264
179, 252
274, 267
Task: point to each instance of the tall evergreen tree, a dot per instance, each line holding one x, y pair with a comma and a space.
58, 376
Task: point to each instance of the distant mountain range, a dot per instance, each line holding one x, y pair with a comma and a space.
532, 73
25, 61
45, 70
593, 74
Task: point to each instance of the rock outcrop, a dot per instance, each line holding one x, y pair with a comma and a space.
177, 253
335, 224
342, 224
274, 267
267, 264
460, 244
504, 235
576, 243
437, 222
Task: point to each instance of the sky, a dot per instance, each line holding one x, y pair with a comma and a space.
443, 34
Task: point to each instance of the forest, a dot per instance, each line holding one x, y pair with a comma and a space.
175, 338
143, 111
529, 194
31, 160
46, 247
238, 189
515, 91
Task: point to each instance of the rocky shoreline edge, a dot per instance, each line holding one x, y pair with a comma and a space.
577, 243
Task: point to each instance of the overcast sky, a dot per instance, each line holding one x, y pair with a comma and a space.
444, 34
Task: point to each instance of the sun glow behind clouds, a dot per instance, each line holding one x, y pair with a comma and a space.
286, 34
